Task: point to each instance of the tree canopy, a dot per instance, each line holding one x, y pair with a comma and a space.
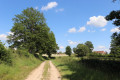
114, 15
89, 45
81, 50
68, 50
115, 43
31, 32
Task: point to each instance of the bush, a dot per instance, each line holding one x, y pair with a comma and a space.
23, 52
94, 54
5, 54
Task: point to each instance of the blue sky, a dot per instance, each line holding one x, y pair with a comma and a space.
72, 21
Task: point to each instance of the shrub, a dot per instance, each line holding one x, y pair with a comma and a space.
23, 52
5, 54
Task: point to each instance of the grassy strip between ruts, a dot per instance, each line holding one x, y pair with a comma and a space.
21, 67
72, 69
46, 73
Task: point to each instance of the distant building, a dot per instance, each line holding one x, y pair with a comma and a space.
100, 52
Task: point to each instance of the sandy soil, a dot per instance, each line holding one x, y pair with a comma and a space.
54, 73
37, 74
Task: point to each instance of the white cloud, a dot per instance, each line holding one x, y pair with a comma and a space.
61, 47
82, 29
36, 7
50, 5
91, 30
59, 10
101, 47
3, 37
72, 42
104, 29
115, 30
98, 21
72, 30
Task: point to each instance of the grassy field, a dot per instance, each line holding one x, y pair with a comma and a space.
21, 67
71, 68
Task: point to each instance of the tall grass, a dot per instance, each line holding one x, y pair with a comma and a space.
72, 68
20, 68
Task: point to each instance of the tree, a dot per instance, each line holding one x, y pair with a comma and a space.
74, 50
82, 50
51, 44
68, 50
89, 45
31, 32
115, 44
114, 15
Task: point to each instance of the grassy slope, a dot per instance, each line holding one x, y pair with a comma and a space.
71, 69
21, 67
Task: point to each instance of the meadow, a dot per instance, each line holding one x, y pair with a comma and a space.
72, 68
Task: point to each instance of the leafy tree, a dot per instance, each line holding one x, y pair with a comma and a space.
31, 32
115, 43
82, 50
114, 15
68, 50
51, 45
89, 45
74, 50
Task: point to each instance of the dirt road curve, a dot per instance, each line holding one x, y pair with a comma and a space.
45, 73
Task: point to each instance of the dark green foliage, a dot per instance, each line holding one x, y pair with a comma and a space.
74, 50
81, 50
22, 52
31, 32
68, 51
5, 54
89, 45
105, 65
115, 44
114, 15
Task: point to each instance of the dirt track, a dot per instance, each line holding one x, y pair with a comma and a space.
52, 73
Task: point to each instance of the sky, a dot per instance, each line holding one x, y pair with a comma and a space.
72, 21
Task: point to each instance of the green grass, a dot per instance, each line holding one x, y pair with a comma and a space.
20, 68
46, 69
71, 68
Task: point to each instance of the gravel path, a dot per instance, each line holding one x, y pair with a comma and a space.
37, 74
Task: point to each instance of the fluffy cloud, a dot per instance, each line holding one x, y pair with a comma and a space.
49, 6
115, 30
104, 29
82, 29
59, 10
61, 47
72, 42
72, 30
98, 21
3, 37
101, 47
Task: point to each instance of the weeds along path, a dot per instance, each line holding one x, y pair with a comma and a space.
46, 71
